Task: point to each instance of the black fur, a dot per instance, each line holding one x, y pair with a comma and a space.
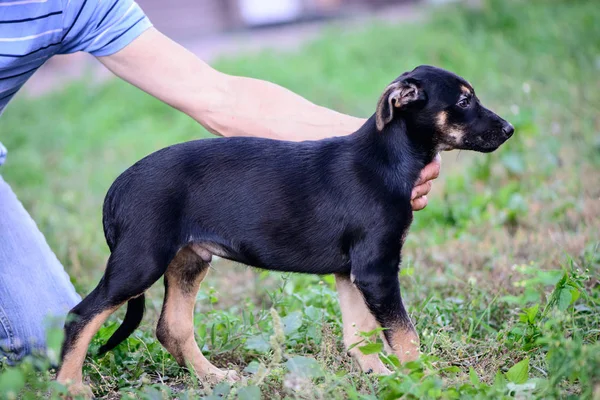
339, 205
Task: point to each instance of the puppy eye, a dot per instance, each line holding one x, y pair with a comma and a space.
464, 102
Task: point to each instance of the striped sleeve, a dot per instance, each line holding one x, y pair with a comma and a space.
2, 154
102, 27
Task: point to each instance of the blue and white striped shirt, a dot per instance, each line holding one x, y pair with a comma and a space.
32, 31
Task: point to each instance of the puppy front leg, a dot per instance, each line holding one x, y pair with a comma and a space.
381, 290
356, 317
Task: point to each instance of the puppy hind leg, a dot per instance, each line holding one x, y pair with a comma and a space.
116, 287
175, 328
83, 322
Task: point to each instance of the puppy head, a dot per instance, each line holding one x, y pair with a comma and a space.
441, 109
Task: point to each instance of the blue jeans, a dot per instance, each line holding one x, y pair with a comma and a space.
34, 287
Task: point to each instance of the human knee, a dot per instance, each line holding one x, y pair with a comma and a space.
24, 337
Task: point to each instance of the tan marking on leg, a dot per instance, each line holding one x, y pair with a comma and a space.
71, 368
176, 324
405, 343
356, 317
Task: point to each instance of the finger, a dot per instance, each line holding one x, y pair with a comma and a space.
431, 170
421, 190
419, 203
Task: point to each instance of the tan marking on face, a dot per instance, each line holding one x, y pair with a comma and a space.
466, 90
356, 318
70, 371
451, 136
443, 147
441, 119
405, 343
175, 328
455, 135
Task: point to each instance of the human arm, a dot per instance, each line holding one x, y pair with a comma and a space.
224, 104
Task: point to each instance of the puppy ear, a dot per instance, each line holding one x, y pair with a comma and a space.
399, 94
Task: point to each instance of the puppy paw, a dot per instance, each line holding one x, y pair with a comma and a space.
407, 346
216, 375
370, 363
232, 376
374, 366
79, 390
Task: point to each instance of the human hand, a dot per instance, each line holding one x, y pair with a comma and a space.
418, 198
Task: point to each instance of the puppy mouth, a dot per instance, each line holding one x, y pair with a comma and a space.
483, 148
487, 149
484, 145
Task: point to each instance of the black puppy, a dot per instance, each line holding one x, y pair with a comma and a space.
335, 206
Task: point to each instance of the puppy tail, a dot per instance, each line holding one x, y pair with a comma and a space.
133, 317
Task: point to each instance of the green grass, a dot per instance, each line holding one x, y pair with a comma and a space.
501, 270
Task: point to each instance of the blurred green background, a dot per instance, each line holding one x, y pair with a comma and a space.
504, 232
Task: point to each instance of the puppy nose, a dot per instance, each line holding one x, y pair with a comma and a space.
508, 129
